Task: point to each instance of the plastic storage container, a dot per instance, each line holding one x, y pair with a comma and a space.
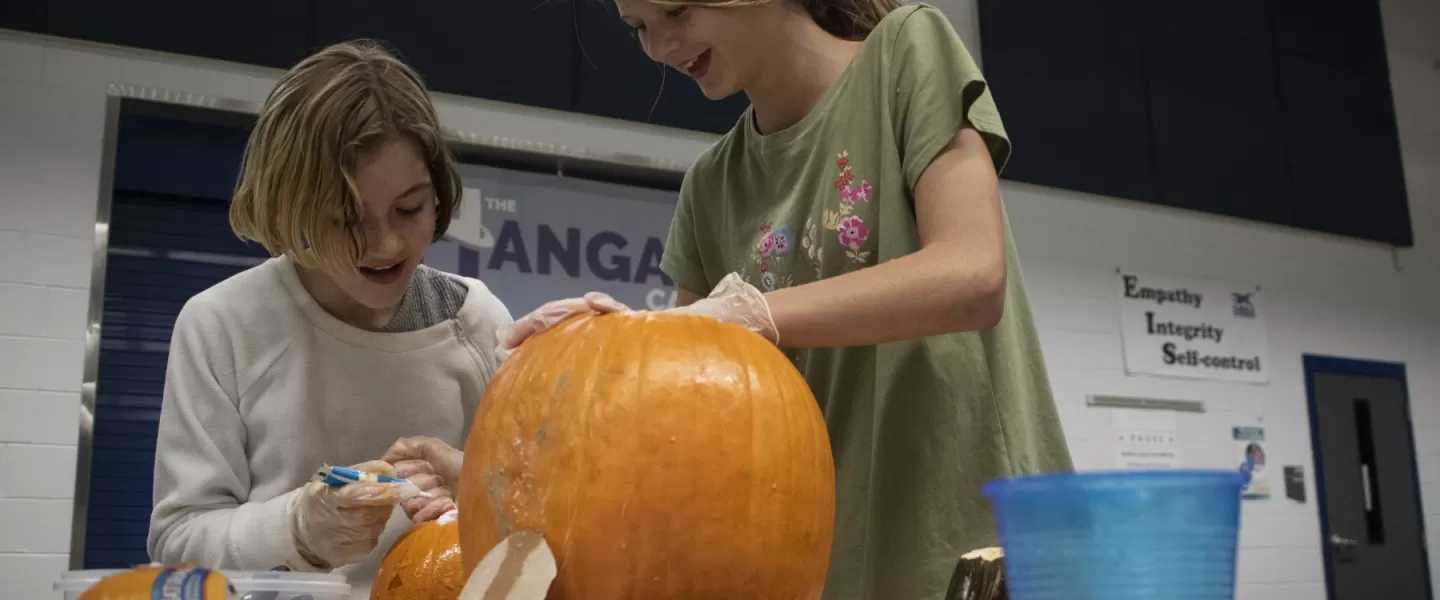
251, 585
1169, 535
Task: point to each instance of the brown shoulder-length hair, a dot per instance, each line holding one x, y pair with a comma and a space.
296, 193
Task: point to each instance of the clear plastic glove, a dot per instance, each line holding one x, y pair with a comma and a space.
732, 301
549, 314
337, 526
434, 467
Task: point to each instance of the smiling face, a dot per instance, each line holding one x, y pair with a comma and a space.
720, 48
346, 174
397, 222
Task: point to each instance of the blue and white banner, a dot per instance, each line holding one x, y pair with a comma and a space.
534, 237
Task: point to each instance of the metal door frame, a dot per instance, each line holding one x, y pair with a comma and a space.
1334, 365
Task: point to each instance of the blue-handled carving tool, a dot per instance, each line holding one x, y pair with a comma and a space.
342, 476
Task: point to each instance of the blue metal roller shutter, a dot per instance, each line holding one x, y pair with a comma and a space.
169, 239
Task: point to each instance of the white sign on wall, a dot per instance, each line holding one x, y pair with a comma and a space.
1198, 329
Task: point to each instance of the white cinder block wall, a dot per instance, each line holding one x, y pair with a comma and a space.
1323, 295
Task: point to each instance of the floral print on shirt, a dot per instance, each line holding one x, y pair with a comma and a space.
774, 245
851, 231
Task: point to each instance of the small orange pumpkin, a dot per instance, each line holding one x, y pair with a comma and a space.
181, 583
424, 564
661, 455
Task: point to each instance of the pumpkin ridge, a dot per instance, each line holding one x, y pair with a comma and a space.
586, 361
637, 390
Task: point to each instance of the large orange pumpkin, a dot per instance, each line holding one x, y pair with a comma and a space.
662, 455
424, 564
180, 582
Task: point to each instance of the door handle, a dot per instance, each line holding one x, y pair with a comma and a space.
1344, 548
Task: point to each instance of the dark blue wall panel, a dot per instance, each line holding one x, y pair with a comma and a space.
1216, 122
573, 55
1276, 111
263, 32
508, 51
169, 239
1069, 79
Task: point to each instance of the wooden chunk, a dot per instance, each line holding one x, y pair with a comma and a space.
979, 575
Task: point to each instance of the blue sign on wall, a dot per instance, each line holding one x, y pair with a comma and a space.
533, 238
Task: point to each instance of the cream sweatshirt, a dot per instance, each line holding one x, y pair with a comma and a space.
263, 387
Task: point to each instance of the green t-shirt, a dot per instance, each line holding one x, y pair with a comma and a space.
917, 427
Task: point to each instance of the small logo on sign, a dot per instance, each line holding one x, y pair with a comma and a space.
468, 225
1244, 306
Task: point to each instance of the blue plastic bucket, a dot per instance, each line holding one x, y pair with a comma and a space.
1169, 535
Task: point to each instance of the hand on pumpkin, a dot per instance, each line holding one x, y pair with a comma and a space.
550, 313
430, 464
337, 526
732, 301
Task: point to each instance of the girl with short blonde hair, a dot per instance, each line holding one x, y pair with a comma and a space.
337, 346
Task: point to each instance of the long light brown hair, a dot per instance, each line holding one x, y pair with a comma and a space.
845, 19
297, 193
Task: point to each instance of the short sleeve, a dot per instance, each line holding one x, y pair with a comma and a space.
938, 87
681, 259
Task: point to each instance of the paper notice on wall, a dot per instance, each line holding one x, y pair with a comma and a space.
1146, 450
1250, 454
1180, 327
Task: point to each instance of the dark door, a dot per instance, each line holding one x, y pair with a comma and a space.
1374, 537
